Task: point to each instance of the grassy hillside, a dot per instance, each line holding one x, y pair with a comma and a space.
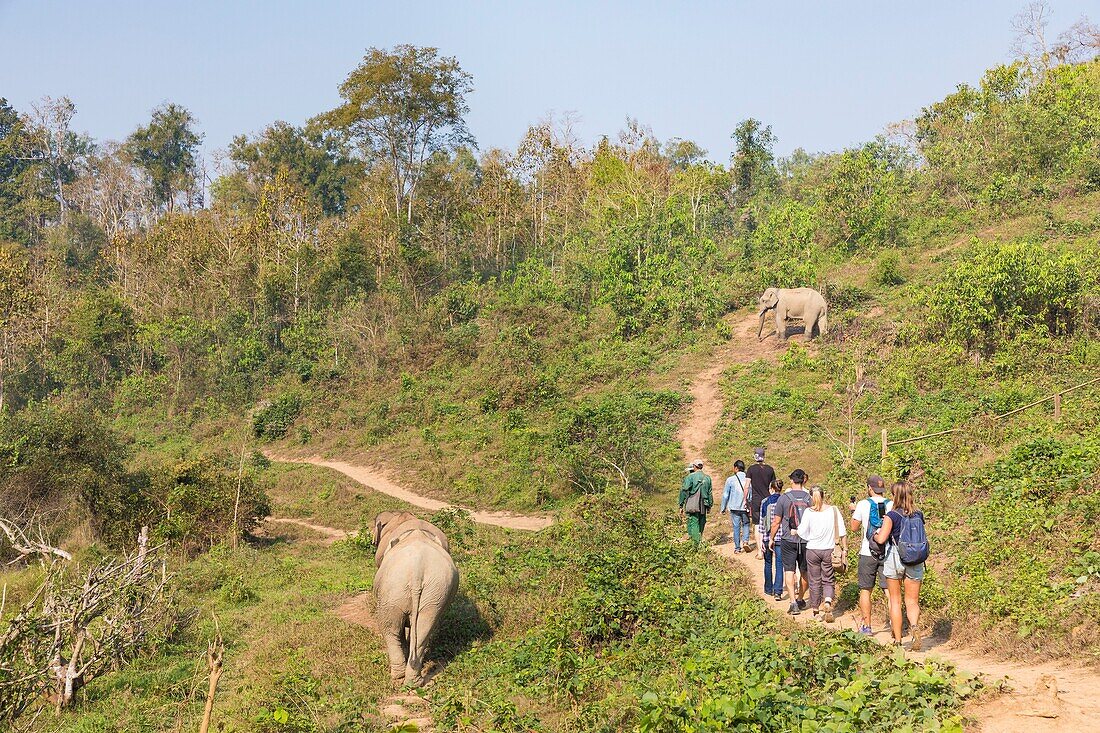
522, 334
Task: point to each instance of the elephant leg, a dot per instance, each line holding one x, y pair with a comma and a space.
810, 322
397, 648
780, 323
823, 323
418, 648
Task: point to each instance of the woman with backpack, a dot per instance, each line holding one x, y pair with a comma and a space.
902, 532
822, 529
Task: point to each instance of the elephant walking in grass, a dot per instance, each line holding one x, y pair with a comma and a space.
415, 582
388, 525
805, 304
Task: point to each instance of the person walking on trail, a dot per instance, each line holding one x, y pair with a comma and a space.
761, 476
902, 531
773, 558
867, 517
822, 529
696, 499
735, 500
788, 513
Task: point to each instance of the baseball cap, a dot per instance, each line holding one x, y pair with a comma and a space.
876, 483
758, 454
698, 463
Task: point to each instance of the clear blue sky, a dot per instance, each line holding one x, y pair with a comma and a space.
824, 74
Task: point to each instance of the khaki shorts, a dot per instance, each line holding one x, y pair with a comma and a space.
895, 569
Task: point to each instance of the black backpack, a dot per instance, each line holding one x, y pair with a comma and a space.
797, 507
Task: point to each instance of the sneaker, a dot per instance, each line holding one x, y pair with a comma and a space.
794, 610
802, 604
828, 612
779, 596
866, 630
769, 592
917, 643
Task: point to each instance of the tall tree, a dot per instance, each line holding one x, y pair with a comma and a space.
314, 162
753, 161
166, 150
401, 107
49, 140
13, 174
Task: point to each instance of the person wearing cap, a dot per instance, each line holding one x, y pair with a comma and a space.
870, 568
791, 506
696, 481
761, 476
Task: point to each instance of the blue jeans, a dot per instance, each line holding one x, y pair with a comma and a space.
773, 570
741, 523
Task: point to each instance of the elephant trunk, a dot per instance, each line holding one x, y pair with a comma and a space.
760, 328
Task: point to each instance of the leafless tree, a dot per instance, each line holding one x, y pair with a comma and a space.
1079, 43
75, 629
1030, 26
27, 539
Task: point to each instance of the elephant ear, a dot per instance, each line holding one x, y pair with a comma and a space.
380, 523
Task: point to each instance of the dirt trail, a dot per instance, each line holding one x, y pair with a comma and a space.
331, 534
375, 478
1055, 696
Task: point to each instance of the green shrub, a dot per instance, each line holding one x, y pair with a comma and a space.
273, 420
1001, 290
888, 270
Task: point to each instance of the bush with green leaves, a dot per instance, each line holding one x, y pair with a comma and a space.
1004, 289
273, 420
645, 634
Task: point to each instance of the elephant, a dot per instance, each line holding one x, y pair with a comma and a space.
388, 525
415, 582
798, 303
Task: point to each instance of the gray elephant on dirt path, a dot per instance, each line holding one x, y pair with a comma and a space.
415, 582
805, 304
389, 525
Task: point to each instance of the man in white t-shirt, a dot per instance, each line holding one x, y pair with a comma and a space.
870, 567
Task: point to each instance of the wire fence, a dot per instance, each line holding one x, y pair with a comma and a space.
1056, 397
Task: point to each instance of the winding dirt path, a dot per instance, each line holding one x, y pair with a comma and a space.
1052, 695
331, 534
375, 478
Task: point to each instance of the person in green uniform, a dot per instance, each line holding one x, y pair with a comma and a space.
696, 499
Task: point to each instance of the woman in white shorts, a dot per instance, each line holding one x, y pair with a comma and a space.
900, 576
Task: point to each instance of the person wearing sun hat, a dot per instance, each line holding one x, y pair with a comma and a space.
696, 499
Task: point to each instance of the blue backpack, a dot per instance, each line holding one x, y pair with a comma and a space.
874, 520
912, 540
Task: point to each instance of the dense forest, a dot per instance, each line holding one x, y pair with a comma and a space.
511, 328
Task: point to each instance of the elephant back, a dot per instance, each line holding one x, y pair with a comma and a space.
412, 529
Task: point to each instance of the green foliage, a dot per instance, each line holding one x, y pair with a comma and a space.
314, 162
59, 456
165, 150
274, 419
202, 501
1017, 134
615, 440
648, 637
1002, 290
888, 270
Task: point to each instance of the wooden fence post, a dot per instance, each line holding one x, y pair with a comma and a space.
884, 444
1058, 406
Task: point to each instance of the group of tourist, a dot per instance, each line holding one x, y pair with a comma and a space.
803, 539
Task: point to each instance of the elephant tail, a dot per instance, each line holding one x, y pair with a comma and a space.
414, 663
